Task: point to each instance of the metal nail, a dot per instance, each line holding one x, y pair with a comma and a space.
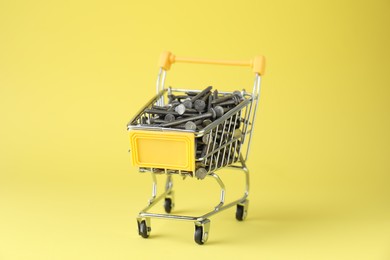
189, 93
200, 94
190, 126
238, 94
209, 102
199, 105
219, 110
161, 107
215, 94
187, 103
206, 122
163, 112
210, 114
222, 99
199, 122
169, 117
201, 173
233, 101
158, 112
180, 109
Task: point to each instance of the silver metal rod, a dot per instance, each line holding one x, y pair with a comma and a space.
246, 171
169, 183
167, 216
222, 186
257, 98
162, 87
248, 113
154, 188
158, 81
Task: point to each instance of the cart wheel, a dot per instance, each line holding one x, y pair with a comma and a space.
168, 205
242, 211
143, 229
202, 230
199, 235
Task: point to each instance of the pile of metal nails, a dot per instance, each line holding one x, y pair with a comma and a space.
196, 110
226, 155
192, 111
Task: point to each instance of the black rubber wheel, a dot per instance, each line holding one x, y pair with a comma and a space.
240, 213
198, 235
168, 205
143, 229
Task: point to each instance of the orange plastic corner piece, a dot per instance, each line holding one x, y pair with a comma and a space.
258, 65
166, 60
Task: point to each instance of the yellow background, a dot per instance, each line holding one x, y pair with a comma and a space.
72, 73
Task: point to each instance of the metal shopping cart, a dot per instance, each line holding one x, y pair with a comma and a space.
171, 151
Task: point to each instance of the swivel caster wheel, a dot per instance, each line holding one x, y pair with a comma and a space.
242, 210
168, 205
202, 230
169, 202
144, 227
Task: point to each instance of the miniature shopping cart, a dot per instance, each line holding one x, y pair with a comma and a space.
172, 151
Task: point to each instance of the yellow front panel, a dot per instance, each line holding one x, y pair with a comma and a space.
171, 150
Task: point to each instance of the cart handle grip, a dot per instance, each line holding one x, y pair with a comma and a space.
257, 64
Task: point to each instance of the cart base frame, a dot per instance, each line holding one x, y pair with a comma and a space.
202, 223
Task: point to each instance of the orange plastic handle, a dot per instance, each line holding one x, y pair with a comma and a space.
257, 64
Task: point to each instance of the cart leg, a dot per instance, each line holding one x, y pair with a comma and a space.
242, 206
154, 189
169, 201
144, 227
222, 194
202, 229
246, 172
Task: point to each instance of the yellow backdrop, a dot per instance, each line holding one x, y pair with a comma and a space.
72, 73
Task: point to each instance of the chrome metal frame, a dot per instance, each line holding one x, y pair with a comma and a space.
246, 110
218, 208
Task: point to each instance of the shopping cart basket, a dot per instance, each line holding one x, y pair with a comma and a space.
171, 151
